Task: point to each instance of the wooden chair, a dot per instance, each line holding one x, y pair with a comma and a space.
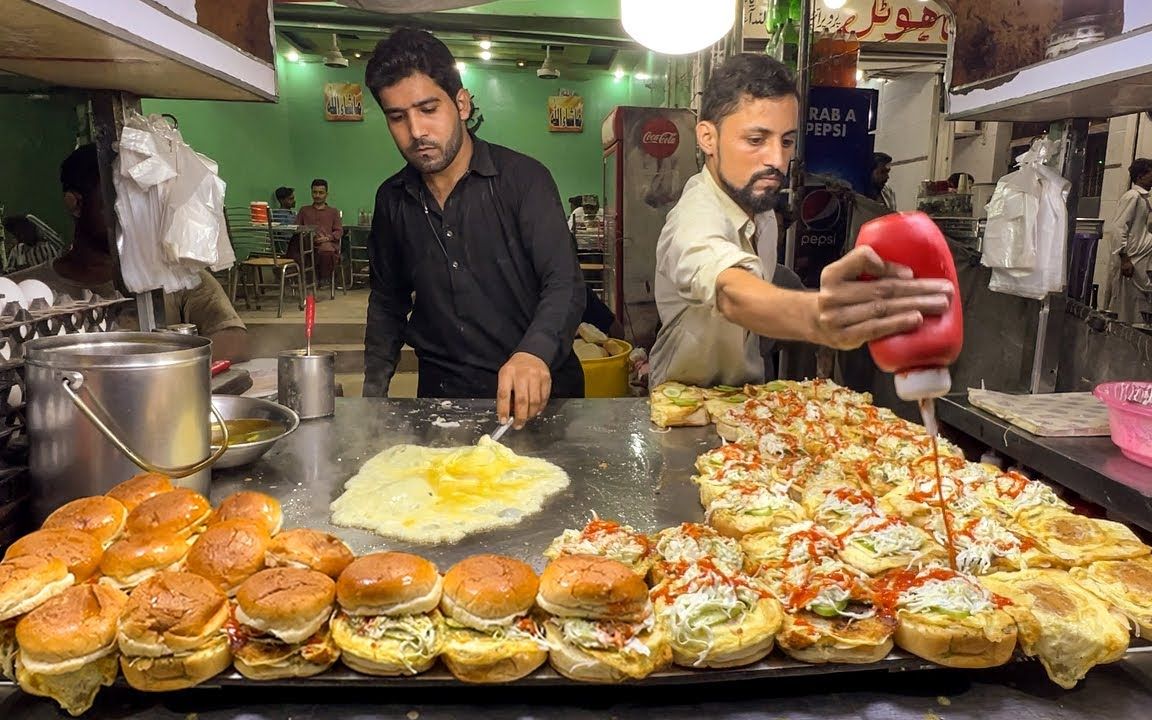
256, 251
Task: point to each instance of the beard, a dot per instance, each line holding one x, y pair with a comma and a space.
439, 161
747, 197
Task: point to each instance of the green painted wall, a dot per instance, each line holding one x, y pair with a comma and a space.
35, 137
262, 146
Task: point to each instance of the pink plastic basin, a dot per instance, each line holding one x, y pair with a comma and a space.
1131, 422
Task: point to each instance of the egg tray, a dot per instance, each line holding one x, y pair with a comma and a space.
91, 313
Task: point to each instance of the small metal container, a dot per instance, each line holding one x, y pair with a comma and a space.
306, 383
235, 407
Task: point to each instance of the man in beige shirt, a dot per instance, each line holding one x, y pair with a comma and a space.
713, 291
88, 265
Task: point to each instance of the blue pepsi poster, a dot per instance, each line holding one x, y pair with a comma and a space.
839, 140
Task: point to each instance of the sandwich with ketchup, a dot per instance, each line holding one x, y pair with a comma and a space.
609, 539
689, 542
716, 619
602, 626
829, 614
947, 617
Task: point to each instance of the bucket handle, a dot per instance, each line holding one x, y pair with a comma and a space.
72, 381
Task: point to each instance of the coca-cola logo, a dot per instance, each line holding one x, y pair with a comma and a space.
659, 138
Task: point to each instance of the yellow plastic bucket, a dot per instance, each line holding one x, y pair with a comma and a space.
607, 377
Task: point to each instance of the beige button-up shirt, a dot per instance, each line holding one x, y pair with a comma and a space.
704, 235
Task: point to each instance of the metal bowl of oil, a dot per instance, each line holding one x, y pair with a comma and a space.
254, 426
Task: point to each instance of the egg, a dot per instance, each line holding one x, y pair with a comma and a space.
34, 290
11, 292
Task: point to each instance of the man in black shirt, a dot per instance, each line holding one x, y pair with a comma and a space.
470, 238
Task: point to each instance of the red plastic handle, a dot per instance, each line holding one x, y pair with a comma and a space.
309, 316
220, 366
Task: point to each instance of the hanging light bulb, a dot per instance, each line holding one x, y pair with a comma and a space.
485, 55
676, 27
835, 4
292, 56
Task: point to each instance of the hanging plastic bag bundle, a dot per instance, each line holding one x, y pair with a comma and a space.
170, 204
1026, 237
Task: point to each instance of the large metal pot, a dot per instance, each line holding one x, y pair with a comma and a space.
103, 406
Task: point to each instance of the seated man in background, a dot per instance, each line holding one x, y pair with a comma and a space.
88, 265
328, 228
285, 212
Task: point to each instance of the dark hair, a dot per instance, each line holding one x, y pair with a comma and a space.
321, 182
757, 76
954, 178
879, 159
1139, 167
406, 52
80, 171
284, 192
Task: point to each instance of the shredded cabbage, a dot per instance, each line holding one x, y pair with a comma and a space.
955, 596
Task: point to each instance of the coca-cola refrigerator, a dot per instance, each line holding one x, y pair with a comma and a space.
649, 153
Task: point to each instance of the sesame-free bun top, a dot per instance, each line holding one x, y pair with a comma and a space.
80, 551
100, 516
27, 581
485, 591
171, 612
77, 623
228, 553
248, 505
309, 549
180, 511
139, 488
136, 554
289, 603
389, 583
592, 587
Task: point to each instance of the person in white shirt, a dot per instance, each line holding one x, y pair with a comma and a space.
716, 254
881, 172
1129, 284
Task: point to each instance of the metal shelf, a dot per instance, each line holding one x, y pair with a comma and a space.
1107, 79
133, 46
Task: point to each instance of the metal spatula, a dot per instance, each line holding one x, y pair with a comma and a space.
501, 430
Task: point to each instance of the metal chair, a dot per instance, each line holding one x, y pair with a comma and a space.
358, 266
256, 251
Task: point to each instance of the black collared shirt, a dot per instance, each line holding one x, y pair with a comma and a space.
492, 273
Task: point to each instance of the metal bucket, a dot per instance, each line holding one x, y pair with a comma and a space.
103, 406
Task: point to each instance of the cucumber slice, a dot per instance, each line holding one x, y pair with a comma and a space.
735, 399
727, 388
829, 611
685, 402
672, 392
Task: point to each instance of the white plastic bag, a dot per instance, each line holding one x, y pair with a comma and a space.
1026, 238
170, 203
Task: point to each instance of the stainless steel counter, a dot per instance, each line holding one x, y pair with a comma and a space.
621, 467
1090, 466
641, 476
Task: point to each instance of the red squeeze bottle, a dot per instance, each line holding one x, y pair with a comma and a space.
919, 358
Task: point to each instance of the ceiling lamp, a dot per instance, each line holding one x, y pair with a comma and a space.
677, 27
835, 4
